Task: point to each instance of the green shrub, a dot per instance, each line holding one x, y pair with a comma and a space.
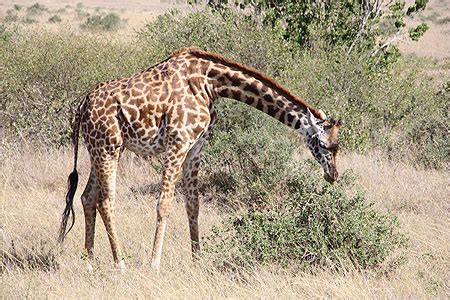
36, 9
10, 17
444, 20
317, 225
109, 22
248, 157
55, 19
396, 109
5, 34
385, 109
81, 13
417, 32
255, 46
45, 74
28, 20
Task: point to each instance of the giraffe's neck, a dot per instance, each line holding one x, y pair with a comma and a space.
260, 93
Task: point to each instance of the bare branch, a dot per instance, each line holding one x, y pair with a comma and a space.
393, 39
368, 10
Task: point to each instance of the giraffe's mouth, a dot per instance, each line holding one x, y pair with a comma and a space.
331, 179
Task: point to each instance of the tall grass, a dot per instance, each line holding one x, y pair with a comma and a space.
32, 187
108, 22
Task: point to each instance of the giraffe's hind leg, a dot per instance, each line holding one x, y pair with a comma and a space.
106, 171
88, 199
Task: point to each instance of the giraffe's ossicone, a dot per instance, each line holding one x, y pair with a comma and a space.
169, 108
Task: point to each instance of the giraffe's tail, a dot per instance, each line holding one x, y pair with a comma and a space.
72, 182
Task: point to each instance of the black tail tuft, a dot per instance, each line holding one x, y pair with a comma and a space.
72, 183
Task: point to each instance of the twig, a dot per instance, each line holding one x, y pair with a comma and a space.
394, 38
375, 9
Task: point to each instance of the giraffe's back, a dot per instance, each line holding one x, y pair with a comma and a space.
134, 111
123, 112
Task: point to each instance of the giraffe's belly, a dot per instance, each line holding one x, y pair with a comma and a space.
145, 146
143, 139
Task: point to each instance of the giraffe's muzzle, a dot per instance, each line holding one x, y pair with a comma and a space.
332, 177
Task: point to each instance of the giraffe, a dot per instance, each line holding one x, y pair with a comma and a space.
169, 108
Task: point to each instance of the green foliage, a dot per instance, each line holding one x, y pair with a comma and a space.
36, 9
11, 16
109, 22
444, 20
426, 140
255, 46
417, 32
352, 24
316, 225
383, 109
367, 27
416, 7
45, 74
61, 10
395, 108
81, 13
307, 22
397, 13
28, 20
5, 34
249, 155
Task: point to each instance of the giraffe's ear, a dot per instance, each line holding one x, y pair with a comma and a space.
312, 122
337, 123
311, 119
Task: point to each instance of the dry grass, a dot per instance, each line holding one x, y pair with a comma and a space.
31, 197
134, 14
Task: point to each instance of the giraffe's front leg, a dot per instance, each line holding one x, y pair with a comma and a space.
190, 180
176, 153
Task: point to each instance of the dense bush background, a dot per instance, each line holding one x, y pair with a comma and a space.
395, 109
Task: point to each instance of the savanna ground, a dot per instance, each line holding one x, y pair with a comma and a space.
33, 186
33, 182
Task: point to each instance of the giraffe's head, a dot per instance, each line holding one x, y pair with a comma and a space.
322, 139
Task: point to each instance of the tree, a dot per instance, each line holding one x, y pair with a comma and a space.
371, 25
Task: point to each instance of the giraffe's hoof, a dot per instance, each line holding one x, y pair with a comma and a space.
121, 266
90, 269
155, 266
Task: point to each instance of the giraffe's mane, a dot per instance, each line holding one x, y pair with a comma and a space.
252, 72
